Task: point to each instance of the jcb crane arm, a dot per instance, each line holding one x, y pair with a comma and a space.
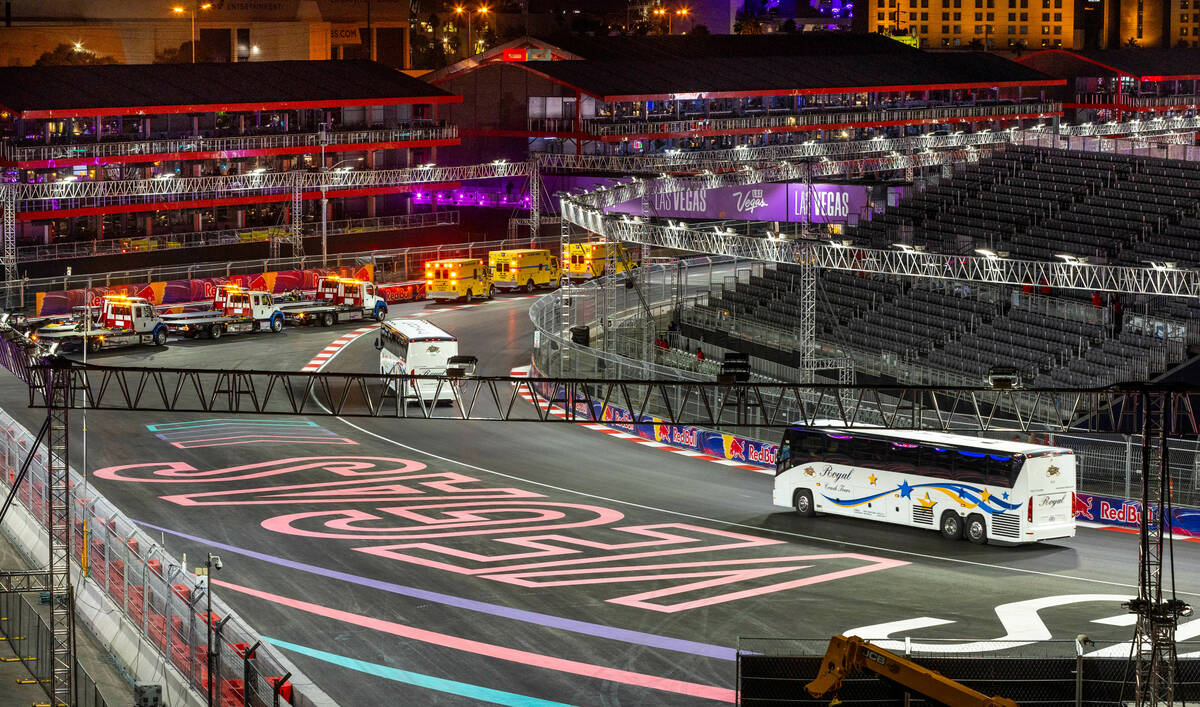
849, 654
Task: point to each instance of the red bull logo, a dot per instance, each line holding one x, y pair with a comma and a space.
685, 436
662, 433
735, 447
763, 453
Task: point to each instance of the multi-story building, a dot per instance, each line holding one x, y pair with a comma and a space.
700, 93
84, 123
1104, 85
994, 24
142, 31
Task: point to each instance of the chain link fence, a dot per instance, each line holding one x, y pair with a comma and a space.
28, 634
775, 671
155, 593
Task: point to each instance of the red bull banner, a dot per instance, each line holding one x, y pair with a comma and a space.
1122, 513
179, 292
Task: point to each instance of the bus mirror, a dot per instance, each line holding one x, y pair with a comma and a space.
379, 343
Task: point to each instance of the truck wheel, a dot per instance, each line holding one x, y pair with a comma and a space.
952, 526
276, 324
804, 503
529, 286
214, 331
976, 530
328, 319
94, 345
160, 336
380, 313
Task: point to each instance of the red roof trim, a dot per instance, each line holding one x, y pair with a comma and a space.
837, 90
1118, 72
219, 107
228, 201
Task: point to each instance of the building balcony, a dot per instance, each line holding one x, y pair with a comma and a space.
1127, 100
820, 119
202, 147
552, 125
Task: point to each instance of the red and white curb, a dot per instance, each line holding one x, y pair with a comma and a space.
318, 362
557, 411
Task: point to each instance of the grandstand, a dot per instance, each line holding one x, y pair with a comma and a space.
1020, 202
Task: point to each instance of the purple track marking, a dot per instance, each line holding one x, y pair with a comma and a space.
706, 650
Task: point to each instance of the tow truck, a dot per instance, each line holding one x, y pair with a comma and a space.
337, 299
234, 311
123, 321
850, 654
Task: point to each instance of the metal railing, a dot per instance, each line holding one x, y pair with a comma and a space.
148, 586
817, 118
202, 143
27, 633
224, 237
1135, 101
552, 125
393, 265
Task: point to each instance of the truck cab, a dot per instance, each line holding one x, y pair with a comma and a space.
584, 261
234, 311
123, 321
458, 279
524, 268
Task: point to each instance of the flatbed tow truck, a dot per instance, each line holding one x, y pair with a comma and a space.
234, 311
338, 299
123, 321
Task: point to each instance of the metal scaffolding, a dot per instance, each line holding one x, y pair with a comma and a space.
832, 255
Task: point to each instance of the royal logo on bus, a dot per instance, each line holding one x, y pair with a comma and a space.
1051, 502
829, 473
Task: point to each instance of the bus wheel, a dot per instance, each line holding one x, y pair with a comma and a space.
977, 530
952, 526
804, 503
529, 286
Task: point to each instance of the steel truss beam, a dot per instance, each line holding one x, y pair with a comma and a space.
249, 184
710, 405
1076, 276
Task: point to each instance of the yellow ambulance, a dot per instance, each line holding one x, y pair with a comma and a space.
523, 268
583, 261
458, 278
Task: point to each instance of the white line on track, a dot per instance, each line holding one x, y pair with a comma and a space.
718, 521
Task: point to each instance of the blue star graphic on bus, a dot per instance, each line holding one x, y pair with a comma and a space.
1005, 496
905, 490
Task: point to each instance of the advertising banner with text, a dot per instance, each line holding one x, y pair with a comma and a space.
824, 203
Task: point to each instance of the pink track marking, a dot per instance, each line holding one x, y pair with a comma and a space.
491, 650
467, 521
543, 548
184, 473
721, 577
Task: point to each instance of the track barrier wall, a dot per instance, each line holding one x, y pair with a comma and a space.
141, 602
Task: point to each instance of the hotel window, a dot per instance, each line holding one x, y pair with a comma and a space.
991, 17
1045, 29
945, 29
945, 17
1012, 29
1045, 17
1024, 16
1045, 42
924, 29
1058, 29
957, 16
881, 17
1058, 17
1024, 29
1012, 17
912, 17
958, 29
979, 17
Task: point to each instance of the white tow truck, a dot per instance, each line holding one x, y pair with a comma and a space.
338, 299
123, 321
234, 311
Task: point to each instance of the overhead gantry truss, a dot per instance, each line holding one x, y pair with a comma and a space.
712, 405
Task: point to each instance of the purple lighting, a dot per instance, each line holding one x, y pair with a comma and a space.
474, 196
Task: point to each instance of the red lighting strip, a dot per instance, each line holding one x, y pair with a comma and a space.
220, 107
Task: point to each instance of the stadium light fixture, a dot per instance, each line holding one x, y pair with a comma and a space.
987, 253
1068, 258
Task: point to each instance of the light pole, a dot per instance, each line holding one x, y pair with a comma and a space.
460, 10
325, 201
195, 8
213, 562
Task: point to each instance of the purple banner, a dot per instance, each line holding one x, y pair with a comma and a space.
1121, 513
829, 203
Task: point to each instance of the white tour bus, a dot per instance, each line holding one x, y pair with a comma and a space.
973, 487
416, 347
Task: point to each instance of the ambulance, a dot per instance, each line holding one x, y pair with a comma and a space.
458, 279
583, 261
525, 268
